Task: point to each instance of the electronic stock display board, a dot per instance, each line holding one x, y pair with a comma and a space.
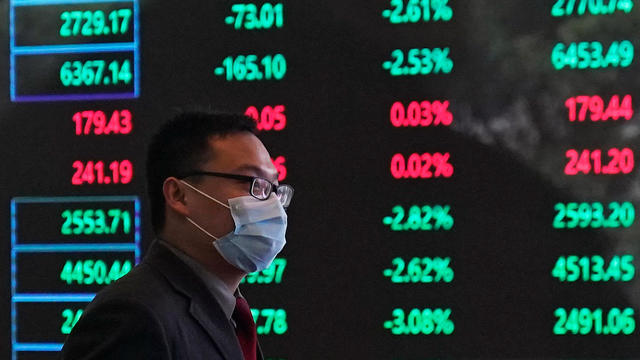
464, 169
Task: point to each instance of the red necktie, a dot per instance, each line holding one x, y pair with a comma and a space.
245, 329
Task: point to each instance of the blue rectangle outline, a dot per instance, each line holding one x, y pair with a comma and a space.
75, 97
79, 199
138, 230
12, 60
12, 4
60, 199
14, 326
52, 347
38, 298
34, 298
82, 96
52, 297
74, 49
136, 51
72, 97
99, 247
63, 2
75, 246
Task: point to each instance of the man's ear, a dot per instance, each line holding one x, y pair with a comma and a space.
174, 196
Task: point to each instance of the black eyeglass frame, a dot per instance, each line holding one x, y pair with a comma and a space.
251, 179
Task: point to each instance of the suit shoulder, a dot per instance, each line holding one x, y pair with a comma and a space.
143, 285
117, 329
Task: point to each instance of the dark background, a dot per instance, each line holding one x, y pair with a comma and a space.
507, 144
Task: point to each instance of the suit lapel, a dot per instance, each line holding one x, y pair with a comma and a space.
219, 329
204, 308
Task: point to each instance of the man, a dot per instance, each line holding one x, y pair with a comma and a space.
219, 214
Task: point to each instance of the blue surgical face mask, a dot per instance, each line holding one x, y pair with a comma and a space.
259, 234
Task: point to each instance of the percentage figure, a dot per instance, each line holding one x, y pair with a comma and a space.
441, 163
443, 324
421, 166
419, 62
421, 322
443, 219
442, 270
420, 270
423, 113
441, 10
441, 59
424, 218
418, 11
442, 113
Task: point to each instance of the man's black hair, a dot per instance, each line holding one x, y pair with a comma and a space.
182, 145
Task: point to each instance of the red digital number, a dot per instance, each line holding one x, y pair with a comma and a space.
95, 172
268, 118
591, 162
423, 113
279, 163
96, 122
581, 106
421, 166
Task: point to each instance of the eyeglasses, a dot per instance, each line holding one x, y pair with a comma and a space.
260, 188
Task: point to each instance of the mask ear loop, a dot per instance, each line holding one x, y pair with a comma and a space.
200, 227
209, 197
205, 194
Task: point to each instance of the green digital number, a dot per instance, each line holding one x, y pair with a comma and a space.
582, 215
592, 55
585, 321
272, 274
90, 272
593, 7
95, 23
419, 62
270, 321
418, 11
250, 17
420, 270
251, 68
592, 269
420, 218
70, 317
95, 222
95, 73
420, 322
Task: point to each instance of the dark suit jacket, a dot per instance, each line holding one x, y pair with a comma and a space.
160, 310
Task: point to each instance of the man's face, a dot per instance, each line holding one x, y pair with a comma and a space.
237, 153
